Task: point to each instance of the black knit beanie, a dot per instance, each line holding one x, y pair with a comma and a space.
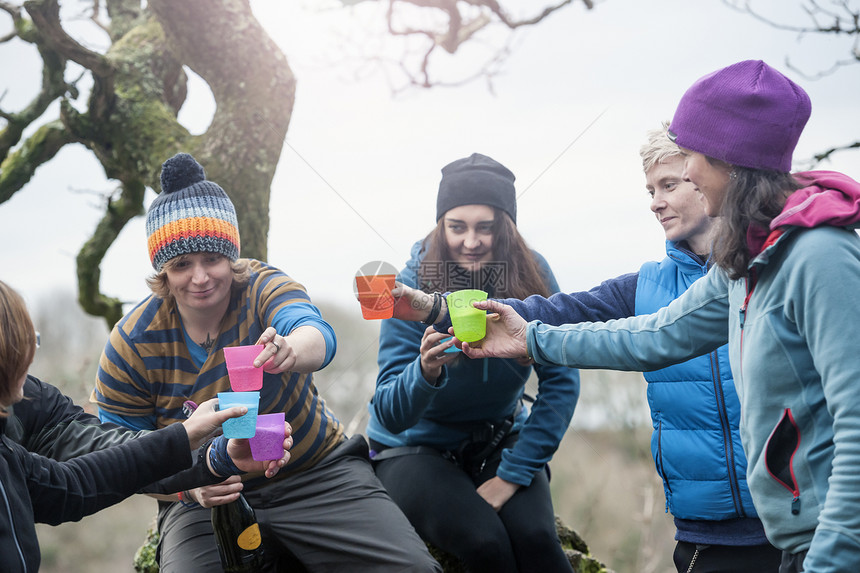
476, 180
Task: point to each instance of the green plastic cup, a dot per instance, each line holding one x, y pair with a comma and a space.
470, 323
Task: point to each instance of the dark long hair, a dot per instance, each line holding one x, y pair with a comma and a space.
754, 197
514, 273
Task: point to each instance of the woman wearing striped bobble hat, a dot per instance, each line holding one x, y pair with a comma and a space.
169, 349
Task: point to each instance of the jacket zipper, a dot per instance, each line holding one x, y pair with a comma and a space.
725, 426
13, 528
792, 487
660, 462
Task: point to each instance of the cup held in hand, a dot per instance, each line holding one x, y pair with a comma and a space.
243, 426
268, 442
240, 367
374, 295
470, 323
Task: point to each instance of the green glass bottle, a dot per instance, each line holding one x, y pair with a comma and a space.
237, 534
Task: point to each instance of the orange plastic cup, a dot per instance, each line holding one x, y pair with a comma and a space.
374, 295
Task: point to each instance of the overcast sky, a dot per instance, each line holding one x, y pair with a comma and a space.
359, 171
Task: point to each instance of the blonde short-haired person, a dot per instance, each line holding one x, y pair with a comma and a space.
784, 294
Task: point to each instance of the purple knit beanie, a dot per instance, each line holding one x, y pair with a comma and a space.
747, 114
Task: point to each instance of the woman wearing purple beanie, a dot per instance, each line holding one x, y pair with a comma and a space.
784, 295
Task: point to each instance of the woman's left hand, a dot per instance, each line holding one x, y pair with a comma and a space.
239, 451
497, 491
206, 421
278, 355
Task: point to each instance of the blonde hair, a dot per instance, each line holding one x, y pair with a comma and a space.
659, 148
157, 283
17, 343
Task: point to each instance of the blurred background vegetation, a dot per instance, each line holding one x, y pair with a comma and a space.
603, 480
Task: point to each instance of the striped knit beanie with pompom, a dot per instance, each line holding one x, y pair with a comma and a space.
191, 215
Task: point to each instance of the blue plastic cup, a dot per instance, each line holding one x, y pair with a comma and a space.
243, 426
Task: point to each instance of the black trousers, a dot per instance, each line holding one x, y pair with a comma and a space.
334, 516
792, 562
442, 503
727, 558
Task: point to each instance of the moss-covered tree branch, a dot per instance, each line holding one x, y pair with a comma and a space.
19, 166
119, 212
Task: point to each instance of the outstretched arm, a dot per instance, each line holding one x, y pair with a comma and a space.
505, 337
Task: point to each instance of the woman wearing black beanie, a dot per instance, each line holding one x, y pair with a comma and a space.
448, 432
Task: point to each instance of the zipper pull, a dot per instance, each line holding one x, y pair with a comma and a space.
795, 505
743, 314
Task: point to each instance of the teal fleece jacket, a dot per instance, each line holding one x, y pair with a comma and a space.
792, 329
406, 410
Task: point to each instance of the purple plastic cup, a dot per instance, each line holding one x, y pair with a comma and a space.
243, 426
268, 442
240, 367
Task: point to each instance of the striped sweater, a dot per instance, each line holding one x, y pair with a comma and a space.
146, 370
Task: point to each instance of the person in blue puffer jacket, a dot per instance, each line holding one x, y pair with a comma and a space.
449, 432
696, 442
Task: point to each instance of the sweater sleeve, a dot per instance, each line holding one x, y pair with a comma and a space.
402, 394
71, 490
49, 423
546, 425
548, 420
299, 314
613, 298
693, 324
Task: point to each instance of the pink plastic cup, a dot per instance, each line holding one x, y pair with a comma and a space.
240, 367
268, 442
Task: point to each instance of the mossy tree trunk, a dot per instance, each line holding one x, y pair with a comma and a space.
130, 121
138, 86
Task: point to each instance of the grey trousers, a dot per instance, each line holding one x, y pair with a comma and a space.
333, 517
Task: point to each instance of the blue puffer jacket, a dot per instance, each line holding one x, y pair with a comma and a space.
696, 442
693, 421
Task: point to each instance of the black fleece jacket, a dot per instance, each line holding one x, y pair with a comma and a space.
37, 489
49, 423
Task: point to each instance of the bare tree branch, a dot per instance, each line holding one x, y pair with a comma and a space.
825, 155
46, 16
53, 86
840, 20
465, 18
503, 16
95, 16
840, 23
15, 13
